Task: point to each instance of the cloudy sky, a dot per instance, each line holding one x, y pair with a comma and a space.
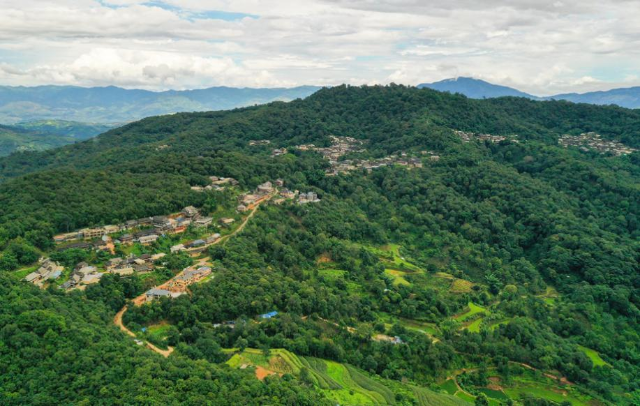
543, 47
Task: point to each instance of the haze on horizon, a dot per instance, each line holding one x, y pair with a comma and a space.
540, 47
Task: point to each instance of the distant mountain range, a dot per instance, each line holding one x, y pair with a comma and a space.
117, 105
45, 134
479, 89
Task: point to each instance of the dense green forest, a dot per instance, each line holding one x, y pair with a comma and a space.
496, 260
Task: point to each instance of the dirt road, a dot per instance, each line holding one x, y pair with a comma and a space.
117, 320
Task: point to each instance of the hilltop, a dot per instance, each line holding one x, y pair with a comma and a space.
415, 247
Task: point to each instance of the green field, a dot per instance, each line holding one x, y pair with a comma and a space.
475, 326
342, 383
594, 356
473, 310
398, 277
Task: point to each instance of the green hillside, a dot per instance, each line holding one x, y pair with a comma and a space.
457, 247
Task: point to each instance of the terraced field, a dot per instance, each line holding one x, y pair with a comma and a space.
342, 383
473, 310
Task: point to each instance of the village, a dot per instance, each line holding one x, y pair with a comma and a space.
593, 142
469, 136
341, 146
148, 233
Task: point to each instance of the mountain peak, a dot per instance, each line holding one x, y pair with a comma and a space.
474, 88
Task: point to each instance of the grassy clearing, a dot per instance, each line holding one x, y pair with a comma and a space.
594, 356
473, 310
474, 327
22, 273
461, 286
429, 328
466, 397
449, 386
398, 277
394, 257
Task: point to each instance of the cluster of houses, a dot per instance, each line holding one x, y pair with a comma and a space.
178, 285
340, 146
253, 143
593, 142
249, 200
196, 245
149, 230
83, 274
278, 151
469, 136
133, 264
47, 271
217, 184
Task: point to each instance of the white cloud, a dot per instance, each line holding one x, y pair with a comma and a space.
539, 46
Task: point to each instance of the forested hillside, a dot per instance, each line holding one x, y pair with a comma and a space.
503, 269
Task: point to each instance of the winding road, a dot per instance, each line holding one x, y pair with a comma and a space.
117, 320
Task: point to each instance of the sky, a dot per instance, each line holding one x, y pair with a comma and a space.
541, 47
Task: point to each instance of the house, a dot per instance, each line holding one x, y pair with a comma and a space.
126, 271
241, 208
310, 197
226, 221
177, 248
265, 188
158, 256
197, 188
279, 182
114, 262
269, 315
287, 194
156, 293
143, 268
278, 151
190, 211
196, 244
148, 239
250, 199
213, 238
111, 229
126, 239
91, 278
91, 233
203, 222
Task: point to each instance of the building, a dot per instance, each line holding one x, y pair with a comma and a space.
203, 222
226, 221
279, 182
148, 239
213, 238
196, 244
241, 208
155, 293
126, 239
177, 248
265, 188
91, 233
190, 211
269, 315
309, 197
126, 271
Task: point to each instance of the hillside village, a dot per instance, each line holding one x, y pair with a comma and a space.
148, 232
593, 142
469, 136
341, 146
